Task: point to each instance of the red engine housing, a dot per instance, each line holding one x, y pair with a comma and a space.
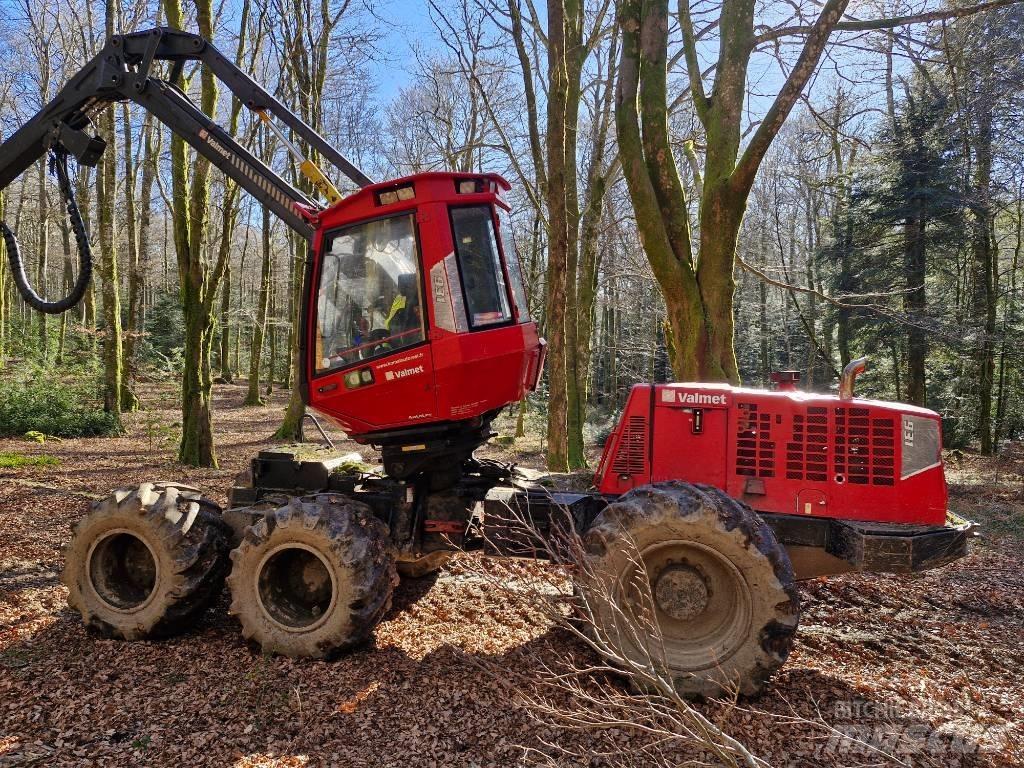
784, 452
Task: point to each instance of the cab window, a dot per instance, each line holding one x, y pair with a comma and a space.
515, 269
483, 279
369, 302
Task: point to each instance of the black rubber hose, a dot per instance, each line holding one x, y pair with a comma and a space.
59, 164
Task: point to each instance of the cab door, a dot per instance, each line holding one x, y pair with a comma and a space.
372, 365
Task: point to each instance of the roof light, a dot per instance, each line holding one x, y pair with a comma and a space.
396, 194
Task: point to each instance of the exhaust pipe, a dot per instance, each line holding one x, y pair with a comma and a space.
852, 370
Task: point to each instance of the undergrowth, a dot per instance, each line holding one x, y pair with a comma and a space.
55, 405
15, 460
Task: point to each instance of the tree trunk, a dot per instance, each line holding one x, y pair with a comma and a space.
559, 176
699, 297
83, 194
225, 327
43, 249
129, 400
272, 333
985, 274
291, 426
197, 280
915, 304
259, 328
106, 192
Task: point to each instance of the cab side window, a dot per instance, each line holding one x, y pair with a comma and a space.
483, 279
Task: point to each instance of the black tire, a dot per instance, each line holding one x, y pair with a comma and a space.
313, 578
704, 582
146, 562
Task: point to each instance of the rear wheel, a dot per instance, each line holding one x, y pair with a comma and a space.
146, 561
704, 585
313, 577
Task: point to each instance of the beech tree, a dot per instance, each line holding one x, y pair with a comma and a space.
190, 182
697, 278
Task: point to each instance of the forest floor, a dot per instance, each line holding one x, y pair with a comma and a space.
927, 667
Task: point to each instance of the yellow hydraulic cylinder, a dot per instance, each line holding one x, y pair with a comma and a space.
307, 167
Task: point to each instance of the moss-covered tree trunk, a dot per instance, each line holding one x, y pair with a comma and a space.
129, 400
106, 193
589, 225
698, 288
558, 241
565, 61
198, 284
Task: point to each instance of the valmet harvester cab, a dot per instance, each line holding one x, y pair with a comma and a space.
418, 330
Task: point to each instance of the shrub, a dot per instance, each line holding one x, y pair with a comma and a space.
164, 340
43, 403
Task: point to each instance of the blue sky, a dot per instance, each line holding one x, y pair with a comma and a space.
403, 23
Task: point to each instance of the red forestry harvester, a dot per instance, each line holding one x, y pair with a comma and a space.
415, 333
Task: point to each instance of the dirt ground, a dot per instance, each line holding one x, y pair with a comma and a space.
925, 668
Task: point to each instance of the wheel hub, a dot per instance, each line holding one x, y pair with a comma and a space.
122, 570
681, 592
295, 587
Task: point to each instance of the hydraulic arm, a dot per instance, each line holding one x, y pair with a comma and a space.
124, 71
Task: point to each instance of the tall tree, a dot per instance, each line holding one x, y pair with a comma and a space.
246, 53
106, 192
199, 279
305, 30
129, 399
698, 282
260, 326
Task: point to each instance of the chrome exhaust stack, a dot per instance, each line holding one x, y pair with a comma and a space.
850, 373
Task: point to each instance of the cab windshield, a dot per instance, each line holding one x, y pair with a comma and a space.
369, 301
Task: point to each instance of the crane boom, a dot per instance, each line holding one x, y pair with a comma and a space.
124, 71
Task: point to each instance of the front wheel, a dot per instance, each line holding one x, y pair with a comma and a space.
313, 577
688, 583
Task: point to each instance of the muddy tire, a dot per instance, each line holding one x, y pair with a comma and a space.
146, 562
703, 581
313, 577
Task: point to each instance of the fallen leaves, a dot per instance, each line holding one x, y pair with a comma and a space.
940, 652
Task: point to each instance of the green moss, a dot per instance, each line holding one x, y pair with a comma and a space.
15, 460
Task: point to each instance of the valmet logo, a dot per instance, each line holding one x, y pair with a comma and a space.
392, 375
682, 397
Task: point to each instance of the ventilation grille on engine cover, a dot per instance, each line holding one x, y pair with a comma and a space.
631, 452
865, 447
755, 449
807, 452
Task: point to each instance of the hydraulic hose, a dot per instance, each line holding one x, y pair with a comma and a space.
59, 166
